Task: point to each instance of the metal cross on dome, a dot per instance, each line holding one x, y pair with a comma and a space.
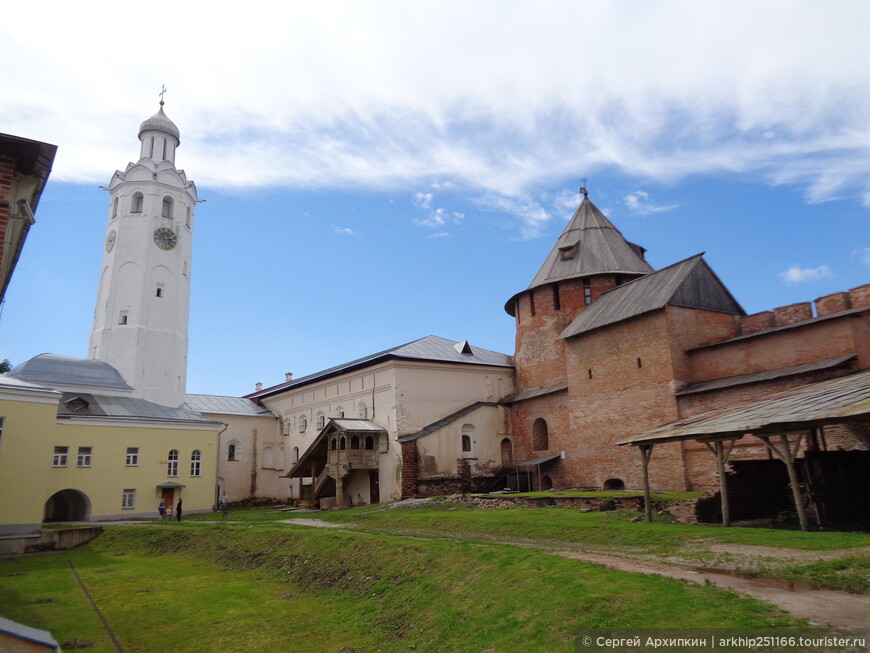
162, 91
583, 190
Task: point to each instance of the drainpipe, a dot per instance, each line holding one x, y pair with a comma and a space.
217, 463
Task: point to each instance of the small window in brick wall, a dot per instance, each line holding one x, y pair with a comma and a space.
540, 435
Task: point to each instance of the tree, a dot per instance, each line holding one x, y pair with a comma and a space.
5, 366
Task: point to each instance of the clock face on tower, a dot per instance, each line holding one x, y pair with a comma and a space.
110, 240
165, 238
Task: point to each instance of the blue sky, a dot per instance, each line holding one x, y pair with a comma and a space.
380, 171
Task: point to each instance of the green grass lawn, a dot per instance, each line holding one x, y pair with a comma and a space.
444, 577
260, 587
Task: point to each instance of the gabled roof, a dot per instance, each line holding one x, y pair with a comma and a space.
589, 245
690, 283
430, 348
50, 370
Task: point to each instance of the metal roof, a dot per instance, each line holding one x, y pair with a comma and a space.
538, 461
122, 407
42, 638
430, 348
350, 425
536, 392
766, 375
444, 421
589, 245
690, 283
844, 399
225, 405
50, 369
160, 122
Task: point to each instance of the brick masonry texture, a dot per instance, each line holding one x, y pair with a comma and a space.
622, 381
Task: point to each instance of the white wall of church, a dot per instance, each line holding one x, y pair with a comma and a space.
242, 470
400, 396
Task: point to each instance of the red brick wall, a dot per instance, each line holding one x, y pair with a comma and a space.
768, 351
792, 313
833, 303
620, 400
860, 296
540, 354
756, 322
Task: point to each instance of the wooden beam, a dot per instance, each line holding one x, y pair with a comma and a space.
722, 454
788, 456
645, 454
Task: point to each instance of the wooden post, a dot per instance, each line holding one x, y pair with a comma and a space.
788, 457
645, 453
722, 456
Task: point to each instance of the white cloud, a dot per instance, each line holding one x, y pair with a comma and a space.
797, 274
864, 255
438, 234
423, 200
394, 94
639, 202
343, 231
439, 218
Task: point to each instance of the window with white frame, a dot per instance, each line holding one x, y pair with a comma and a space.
84, 457
287, 425
468, 441
128, 500
172, 463
233, 451
303, 424
362, 410
196, 463
136, 203
321, 420
132, 459
339, 412
60, 456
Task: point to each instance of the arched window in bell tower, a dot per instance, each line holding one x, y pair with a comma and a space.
166, 212
136, 203
115, 208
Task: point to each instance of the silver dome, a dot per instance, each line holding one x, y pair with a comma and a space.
159, 122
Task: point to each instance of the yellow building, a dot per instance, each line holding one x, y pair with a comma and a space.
77, 446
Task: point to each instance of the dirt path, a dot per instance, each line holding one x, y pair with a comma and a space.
823, 607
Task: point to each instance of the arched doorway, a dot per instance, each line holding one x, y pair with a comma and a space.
613, 484
507, 454
67, 505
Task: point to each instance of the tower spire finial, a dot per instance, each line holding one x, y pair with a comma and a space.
162, 91
583, 190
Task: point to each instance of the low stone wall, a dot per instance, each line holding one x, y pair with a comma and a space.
49, 540
584, 504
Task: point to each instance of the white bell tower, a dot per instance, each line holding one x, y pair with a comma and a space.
141, 317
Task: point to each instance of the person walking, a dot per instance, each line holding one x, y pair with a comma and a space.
224, 504
178, 510
161, 509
